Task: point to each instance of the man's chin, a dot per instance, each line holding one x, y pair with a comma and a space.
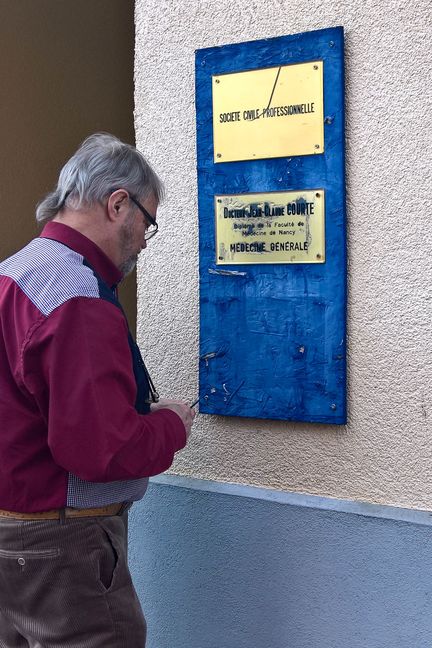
128, 266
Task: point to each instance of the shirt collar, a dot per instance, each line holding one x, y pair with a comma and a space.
95, 257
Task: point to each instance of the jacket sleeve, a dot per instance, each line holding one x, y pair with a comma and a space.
77, 365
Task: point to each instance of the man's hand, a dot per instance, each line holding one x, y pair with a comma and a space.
186, 413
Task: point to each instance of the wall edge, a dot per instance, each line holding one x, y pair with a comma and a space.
355, 507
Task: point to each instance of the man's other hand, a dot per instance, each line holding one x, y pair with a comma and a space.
186, 413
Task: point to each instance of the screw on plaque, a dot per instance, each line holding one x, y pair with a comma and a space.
217, 81
317, 146
218, 155
317, 194
333, 406
315, 67
331, 44
219, 200
318, 256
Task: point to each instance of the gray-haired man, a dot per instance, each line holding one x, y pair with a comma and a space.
82, 428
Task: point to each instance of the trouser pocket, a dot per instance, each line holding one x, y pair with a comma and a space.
29, 553
108, 561
25, 557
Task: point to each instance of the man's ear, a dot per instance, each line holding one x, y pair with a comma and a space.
116, 204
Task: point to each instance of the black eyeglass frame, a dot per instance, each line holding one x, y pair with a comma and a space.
145, 213
143, 210
147, 216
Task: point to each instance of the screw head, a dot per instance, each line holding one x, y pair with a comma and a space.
317, 194
218, 155
217, 81
315, 67
317, 146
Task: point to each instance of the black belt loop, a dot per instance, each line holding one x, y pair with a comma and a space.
62, 516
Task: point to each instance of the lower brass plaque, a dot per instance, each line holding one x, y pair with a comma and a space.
276, 227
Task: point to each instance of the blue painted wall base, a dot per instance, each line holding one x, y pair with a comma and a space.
214, 570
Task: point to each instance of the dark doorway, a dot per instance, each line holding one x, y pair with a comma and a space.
66, 71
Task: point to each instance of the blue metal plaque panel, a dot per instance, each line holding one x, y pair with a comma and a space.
272, 336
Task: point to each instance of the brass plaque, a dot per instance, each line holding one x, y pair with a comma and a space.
267, 113
277, 227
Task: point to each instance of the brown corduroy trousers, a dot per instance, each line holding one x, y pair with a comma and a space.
67, 585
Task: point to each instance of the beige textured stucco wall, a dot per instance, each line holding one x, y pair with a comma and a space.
384, 454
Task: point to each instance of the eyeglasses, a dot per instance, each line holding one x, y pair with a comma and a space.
152, 227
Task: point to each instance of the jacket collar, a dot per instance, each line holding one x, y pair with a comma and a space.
76, 241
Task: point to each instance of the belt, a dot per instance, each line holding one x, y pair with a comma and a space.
58, 514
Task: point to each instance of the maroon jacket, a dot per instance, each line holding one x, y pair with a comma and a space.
71, 433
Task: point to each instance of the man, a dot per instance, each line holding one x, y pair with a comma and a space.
80, 426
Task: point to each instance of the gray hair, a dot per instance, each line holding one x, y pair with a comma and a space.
102, 164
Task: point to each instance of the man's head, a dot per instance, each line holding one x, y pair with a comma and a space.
109, 192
